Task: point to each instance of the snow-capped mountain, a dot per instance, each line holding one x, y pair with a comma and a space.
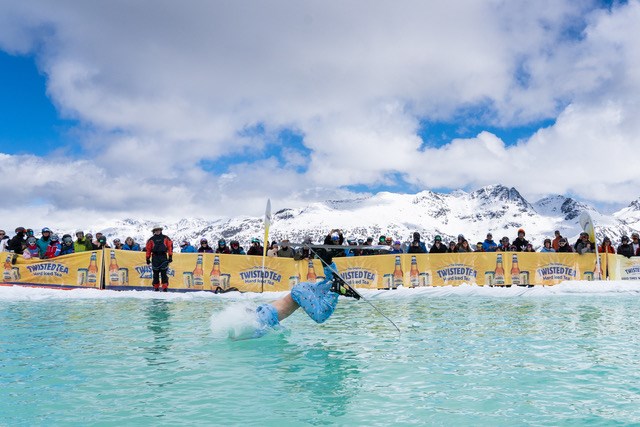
496, 209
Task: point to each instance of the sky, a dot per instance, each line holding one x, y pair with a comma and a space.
163, 110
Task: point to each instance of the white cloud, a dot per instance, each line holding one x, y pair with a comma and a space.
163, 85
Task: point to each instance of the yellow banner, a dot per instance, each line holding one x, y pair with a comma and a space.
124, 270
623, 268
202, 272
81, 270
479, 268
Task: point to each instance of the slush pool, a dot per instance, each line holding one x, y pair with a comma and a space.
467, 355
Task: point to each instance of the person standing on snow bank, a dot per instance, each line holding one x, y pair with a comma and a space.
159, 250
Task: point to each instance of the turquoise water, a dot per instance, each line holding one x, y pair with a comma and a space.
466, 356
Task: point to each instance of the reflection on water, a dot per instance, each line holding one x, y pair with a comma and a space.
158, 314
326, 379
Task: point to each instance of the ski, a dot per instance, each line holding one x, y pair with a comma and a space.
340, 247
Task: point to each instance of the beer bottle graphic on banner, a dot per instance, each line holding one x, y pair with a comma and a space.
92, 270
198, 274
398, 275
114, 270
311, 272
498, 274
214, 276
7, 274
515, 271
414, 274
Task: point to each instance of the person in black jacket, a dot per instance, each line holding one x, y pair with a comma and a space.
563, 246
18, 242
416, 246
438, 247
625, 249
159, 251
520, 242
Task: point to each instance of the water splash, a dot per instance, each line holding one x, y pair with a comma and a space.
237, 322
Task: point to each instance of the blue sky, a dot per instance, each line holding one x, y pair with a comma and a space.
122, 108
29, 122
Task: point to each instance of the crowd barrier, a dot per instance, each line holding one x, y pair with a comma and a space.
126, 270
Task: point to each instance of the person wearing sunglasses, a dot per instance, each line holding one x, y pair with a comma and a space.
564, 246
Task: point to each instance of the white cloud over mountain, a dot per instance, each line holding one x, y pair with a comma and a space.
160, 87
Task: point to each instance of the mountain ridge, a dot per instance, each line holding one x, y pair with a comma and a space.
495, 208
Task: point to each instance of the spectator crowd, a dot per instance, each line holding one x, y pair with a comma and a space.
50, 245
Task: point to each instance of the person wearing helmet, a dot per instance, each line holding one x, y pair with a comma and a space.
222, 247
117, 244
520, 242
625, 249
82, 244
31, 251
204, 247
236, 249
186, 247
43, 241
159, 251
504, 245
255, 248
66, 245
54, 248
489, 245
438, 247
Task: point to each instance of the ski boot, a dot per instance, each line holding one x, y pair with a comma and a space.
340, 287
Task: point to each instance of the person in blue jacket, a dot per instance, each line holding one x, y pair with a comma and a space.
130, 245
44, 241
66, 247
489, 245
187, 248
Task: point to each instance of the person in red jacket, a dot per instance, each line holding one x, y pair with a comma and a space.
159, 250
606, 246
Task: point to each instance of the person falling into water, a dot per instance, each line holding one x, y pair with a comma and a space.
159, 250
318, 300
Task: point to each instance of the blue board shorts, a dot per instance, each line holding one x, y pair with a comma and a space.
316, 299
